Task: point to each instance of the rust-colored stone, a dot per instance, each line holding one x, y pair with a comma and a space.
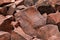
34, 17
5, 36
55, 37
6, 24
25, 22
48, 31
53, 18
5, 1
16, 36
3, 10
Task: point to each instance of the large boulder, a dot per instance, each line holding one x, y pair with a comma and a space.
29, 19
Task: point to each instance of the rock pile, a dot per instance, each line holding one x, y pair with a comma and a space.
29, 20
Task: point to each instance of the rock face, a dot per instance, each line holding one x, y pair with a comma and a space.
5, 27
55, 37
48, 31
29, 19
3, 11
53, 1
28, 2
6, 1
5, 36
53, 18
58, 26
2, 18
33, 17
16, 36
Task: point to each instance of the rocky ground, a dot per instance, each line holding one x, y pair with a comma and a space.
29, 19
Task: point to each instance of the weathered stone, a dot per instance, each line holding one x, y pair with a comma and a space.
2, 18
5, 1
52, 2
6, 24
28, 3
26, 23
11, 9
20, 31
16, 36
55, 37
21, 7
18, 2
3, 10
53, 18
5, 36
40, 3
15, 24
47, 31
34, 17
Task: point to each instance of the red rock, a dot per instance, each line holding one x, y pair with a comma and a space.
53, 18
6, 24
5, 1
52, 2
25, 22
3, 10
5, 36
28, 2
55, 37
11, 9
15, 24
20, 31
34, 17
21, 7
48, 31
16, 36
2, 18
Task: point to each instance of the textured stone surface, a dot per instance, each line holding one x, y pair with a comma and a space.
47, 31
28, 2
6, 24
5, 36
16, 36
55, 37
34, 17
6, 1
54, 18
25, 24
29, 19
